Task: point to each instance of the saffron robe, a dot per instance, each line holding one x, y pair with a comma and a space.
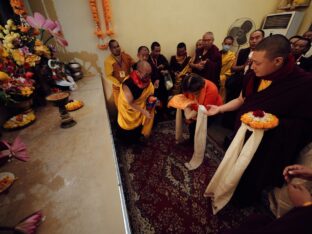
129, 118
228, 59
116, 71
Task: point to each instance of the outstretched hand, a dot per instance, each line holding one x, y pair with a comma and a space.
297, 170
212, 110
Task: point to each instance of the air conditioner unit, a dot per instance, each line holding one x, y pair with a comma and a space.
285, 23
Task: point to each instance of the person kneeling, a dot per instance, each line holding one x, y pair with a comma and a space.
203, 92
134, 120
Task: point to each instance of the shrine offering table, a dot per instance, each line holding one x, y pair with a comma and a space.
72, 174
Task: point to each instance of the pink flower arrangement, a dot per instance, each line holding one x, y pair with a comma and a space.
38, 21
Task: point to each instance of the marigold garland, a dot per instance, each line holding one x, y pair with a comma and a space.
18, 7
107, 16
259, 119
108, 19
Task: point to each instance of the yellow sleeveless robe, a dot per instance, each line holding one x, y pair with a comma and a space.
129, 118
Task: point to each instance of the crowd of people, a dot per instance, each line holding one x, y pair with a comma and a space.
273, 74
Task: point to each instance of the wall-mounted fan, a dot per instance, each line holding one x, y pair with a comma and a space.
240, 30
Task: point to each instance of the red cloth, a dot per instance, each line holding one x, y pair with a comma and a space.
138, 81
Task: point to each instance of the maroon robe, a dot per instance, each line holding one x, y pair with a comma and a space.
289, 97
213, 65
296, 221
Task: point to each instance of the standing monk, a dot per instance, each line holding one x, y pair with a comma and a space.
275, 85
207, 61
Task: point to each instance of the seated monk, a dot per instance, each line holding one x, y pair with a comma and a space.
134, 119
179, 64
117, 67
275, 85
203, 92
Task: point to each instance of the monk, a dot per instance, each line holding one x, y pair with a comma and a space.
178, 66
207, 62
276, 85
228, 59
117, 67
160, 68
134, 119
143, 54
240, 67
299, 47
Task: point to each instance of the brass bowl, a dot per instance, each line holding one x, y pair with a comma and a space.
58, 99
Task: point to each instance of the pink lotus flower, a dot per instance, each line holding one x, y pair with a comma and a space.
56, 31
49, 24
53, 27
17, 150
37, 21
30, 224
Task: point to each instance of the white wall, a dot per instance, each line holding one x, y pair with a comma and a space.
307, 20
140, 22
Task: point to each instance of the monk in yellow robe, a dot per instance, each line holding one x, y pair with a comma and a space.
134, 118
228, 59
117, 67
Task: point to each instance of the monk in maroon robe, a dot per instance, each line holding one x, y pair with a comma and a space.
298, 220
208, 60
279, 87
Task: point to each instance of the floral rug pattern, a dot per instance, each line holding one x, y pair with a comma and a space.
163, 196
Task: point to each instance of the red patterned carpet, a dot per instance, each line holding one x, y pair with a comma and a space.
163, 196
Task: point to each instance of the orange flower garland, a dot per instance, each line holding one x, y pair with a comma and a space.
259, 119
18, 7
108, 18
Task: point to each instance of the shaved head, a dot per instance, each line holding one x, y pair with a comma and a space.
275, 46
144, 66
144, 70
